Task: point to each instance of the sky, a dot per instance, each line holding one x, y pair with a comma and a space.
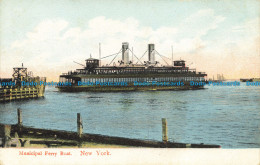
213, 36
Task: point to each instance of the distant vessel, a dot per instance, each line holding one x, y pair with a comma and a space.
256, 79
13, 89
249, 79
246, 79
220, 78
128, 76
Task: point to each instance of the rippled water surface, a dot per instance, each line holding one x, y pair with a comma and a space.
228, 116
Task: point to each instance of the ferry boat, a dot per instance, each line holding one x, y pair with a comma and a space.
246, 79
23, 85
128, 76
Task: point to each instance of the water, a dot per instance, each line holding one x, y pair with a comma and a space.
227, 116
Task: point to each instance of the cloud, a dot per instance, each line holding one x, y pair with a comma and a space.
47, 29
54, 41
52, 46
250, 27
200, 23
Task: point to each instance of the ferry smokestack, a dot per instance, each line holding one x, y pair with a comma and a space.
151, 53
125, 53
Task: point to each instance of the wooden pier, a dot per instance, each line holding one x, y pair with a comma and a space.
18, 135
10, 94
23, 85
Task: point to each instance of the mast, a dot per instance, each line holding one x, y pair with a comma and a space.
172, 55
99, 54
132, 55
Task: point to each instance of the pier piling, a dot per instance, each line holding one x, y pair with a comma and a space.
5, 137
79, 125
20, 121
19, 114
164, 130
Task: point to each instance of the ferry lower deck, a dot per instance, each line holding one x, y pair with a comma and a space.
124, 86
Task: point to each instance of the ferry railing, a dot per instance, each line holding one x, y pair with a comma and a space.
188, 72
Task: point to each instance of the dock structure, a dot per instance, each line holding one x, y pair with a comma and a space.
14, 89
19, 135
19, 93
